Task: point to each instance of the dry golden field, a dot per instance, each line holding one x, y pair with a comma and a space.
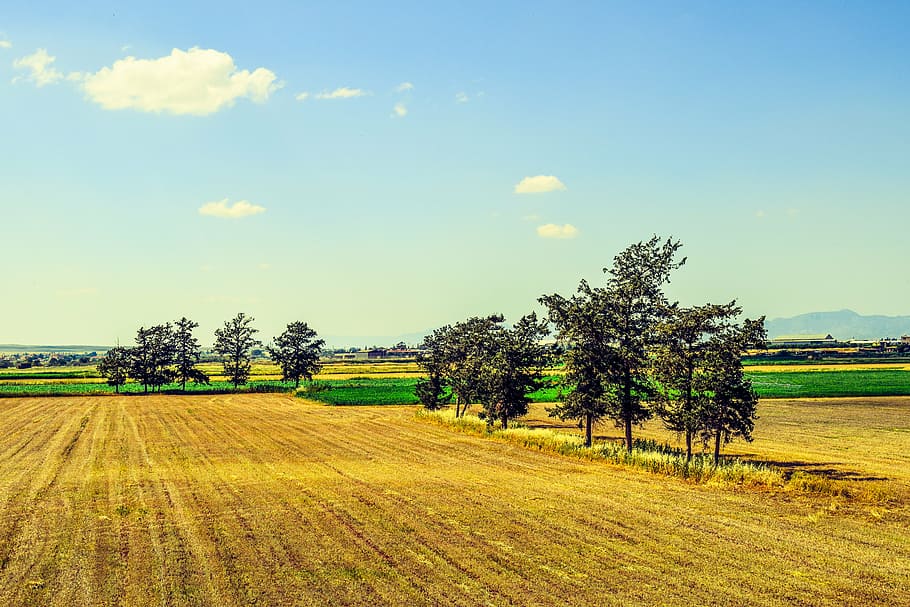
271, 500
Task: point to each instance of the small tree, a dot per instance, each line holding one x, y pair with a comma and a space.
580, 328
152, 356
115, 367
680, 361
296, 351
187, 353
234, 342
456, 355
730, 411
512, 369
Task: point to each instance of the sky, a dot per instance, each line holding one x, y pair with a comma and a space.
377, 169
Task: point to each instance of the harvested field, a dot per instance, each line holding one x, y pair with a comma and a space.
272, 500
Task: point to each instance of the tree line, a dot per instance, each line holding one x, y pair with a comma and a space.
628, 354
168, 353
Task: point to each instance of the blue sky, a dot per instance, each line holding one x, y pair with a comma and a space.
377, 152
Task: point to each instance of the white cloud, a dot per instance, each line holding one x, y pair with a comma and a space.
241, 208
539, 184
400, 110
404, 86
197, 82
6, 44
39, 64
302, 96
552, 230
462, 97
342, 93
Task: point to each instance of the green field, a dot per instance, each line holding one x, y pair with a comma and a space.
383, 391
789, 384
374, 387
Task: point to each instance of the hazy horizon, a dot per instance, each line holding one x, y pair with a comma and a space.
385, 169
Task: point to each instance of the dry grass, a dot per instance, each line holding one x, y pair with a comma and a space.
865, 366
850, 447
271, 500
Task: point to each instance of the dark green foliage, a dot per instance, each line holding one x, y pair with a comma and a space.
680, 365
512, 369
296, 351
152, 355
730, 410
186, 353
454, 355
234, 341
611, 331
432, 392
115, 367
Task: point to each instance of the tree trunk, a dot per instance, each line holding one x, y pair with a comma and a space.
505, 422
717, 448
688, 445
589, 424
628, 433
627, 410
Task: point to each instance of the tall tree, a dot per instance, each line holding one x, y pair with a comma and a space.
115, 367
582, 331
680, 364
187, 353
234, 342
730, 412
152, 355
613, 329
296, 351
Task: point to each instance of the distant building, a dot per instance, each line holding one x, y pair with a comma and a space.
802, 341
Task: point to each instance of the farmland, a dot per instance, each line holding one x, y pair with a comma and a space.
393, 383
273, 500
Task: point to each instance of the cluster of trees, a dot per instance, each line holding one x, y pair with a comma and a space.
482, 361
168, 353
630, 354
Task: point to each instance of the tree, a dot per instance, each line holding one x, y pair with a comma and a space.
582, 331
455, 355
115, 367
680, 364
432, 391
187, 353
234, 342
512, 369
296, 351
730, 411
613, 329
152, 355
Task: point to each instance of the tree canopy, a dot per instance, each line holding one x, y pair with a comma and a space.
234, 341
296, 351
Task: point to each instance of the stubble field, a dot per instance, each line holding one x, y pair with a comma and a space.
273, 500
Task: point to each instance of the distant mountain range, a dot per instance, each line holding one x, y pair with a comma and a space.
842, 325
13, 348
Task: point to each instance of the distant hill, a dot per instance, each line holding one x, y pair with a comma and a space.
843, 325
35, 349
